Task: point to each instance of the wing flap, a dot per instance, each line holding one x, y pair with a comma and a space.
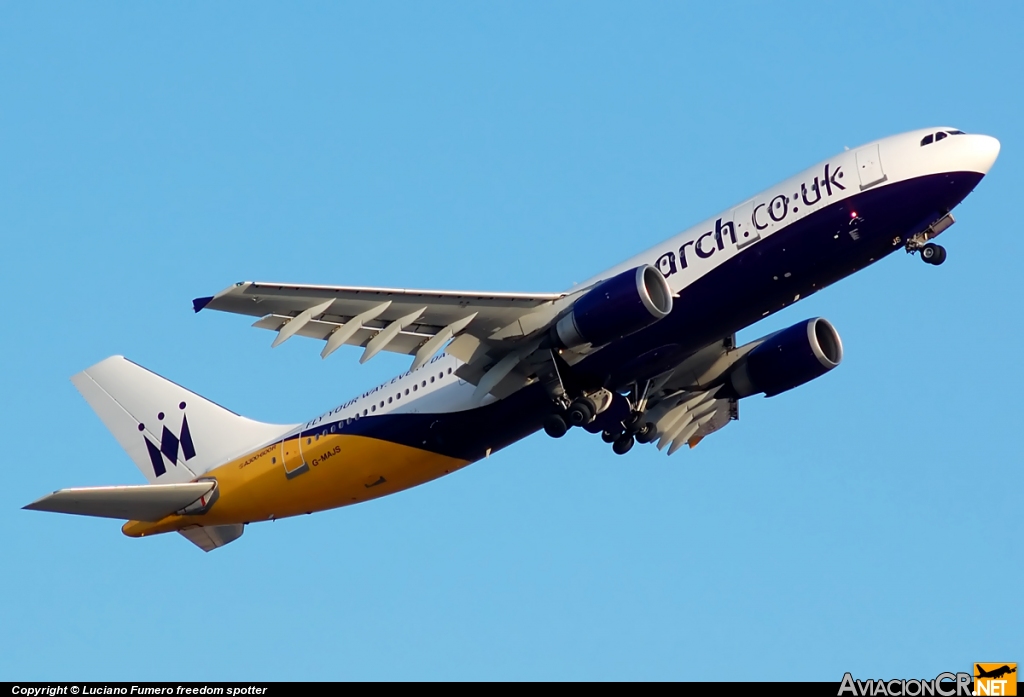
407, 341
147, 502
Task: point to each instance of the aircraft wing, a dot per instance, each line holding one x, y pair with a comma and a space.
413, 322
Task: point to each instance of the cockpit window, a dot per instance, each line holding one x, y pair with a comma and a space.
936, 137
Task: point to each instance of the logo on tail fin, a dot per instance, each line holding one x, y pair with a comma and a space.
170, 444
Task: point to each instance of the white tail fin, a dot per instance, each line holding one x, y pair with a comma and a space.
172, 434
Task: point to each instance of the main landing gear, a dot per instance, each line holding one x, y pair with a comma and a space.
621, 441
634, 430
588, 406
583, 410
579, 413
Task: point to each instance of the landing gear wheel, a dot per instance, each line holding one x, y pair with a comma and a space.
581, 412
622, 445
610, 436
933, 254
555, 426
646, 434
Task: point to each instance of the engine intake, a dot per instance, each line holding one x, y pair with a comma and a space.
788, 359
616, 307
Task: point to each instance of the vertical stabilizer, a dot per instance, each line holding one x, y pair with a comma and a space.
171, 434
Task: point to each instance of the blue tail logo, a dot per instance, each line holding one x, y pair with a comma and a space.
170, 444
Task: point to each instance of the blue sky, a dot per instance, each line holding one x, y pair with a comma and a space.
152, 153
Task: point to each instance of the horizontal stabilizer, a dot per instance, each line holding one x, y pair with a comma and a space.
148, 502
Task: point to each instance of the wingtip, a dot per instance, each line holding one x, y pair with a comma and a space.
199, 303
37, 504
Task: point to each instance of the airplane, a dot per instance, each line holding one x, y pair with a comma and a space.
643, 353
995, 673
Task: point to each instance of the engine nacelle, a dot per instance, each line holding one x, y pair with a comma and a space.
614, 308
788, 359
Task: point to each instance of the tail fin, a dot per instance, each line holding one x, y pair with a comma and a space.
172, 434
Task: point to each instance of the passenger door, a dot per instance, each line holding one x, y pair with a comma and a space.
292, 459
869, 167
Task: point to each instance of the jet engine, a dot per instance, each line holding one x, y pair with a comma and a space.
616, 307
788, 359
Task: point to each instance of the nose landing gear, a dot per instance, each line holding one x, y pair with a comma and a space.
933, 254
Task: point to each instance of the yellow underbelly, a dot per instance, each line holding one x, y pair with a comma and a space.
293, 477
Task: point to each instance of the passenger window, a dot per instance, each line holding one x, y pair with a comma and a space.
373, 407
415, 387
406, 391
927, 139
431, 378
389, 400
939, 136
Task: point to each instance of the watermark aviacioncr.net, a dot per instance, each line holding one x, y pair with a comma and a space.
988, 680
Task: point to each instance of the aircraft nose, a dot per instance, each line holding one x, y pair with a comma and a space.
983, 153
